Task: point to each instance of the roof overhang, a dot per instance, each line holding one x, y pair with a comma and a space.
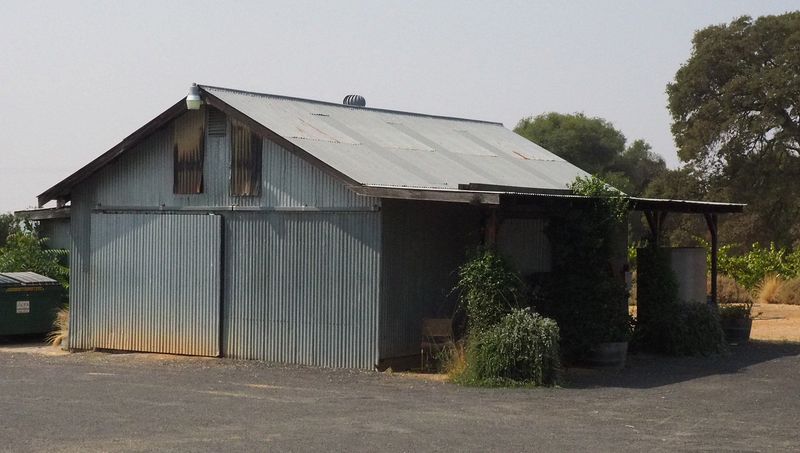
521, 196
685, 206
62, 191
430, 194
635, 203
44, 214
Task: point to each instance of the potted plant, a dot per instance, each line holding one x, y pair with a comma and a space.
737, 320
735, 310
612, 350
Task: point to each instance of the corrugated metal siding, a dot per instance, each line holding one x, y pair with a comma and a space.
327, 262
290, 181
423, 245
57, 232
79, 258
155, 283
143, 177
302, 288
524, 243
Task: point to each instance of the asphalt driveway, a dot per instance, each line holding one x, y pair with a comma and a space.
747, 401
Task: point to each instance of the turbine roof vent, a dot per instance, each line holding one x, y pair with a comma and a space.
354, 100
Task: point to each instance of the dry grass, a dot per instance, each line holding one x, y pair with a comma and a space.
60, 327
729, 291
455, 362
768, 289
632, 295
789, 292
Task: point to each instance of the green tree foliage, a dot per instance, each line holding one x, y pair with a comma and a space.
9, 223
596, 146
590, 143
735, 106
24, 251
640, 165
681, 184
582, 293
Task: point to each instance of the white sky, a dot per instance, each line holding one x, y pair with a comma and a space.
78, 77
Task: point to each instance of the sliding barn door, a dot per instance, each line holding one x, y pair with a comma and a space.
155, 283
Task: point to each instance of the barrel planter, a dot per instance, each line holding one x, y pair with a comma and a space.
608, 355
737, 330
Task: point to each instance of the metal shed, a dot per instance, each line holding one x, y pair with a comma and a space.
346, 232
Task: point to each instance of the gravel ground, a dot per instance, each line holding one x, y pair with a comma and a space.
746, 401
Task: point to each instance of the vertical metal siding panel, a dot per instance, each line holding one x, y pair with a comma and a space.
57, 233
143, 177
80, 333
423, 245
290, 181
524, 243
286, 276
155, 283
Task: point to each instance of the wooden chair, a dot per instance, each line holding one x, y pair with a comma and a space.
437, 335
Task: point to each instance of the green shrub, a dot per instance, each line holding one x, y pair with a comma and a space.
489, 289
750, 269
703, 333
665, 324
656, 286
522, 349
680, 329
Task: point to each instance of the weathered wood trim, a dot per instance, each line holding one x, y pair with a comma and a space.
713, 228
401, 193
44, 214
684, 206
62, 191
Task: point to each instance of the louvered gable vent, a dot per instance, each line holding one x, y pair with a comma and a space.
217, 123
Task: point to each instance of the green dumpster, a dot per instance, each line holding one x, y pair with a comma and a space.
28, 303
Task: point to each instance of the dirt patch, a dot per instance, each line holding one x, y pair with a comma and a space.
33, 348
430, 377
776, 322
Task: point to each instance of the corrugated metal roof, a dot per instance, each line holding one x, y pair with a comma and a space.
384, 147
24, 278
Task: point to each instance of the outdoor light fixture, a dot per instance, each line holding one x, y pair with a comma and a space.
193, 100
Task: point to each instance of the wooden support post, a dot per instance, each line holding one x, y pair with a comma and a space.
711, 221
490, 230
651, 222
662, 218
656, 222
